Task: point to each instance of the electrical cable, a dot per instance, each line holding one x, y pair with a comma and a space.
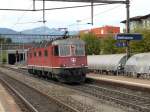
78, 6
19, 18
96, 14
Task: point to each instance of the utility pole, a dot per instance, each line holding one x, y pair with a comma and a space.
78, 23
23, 53
44, 12
128, 27
92, 12
33, 5
1, 53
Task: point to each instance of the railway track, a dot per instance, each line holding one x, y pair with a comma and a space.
23, 103
33, 100
137, 103
64, 101
141, 104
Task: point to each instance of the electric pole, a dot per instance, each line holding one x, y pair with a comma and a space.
128, 26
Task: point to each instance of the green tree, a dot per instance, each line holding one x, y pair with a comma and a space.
2, 40
8, 40
92, 44
108, 45
142, 45
5, 40
3, 56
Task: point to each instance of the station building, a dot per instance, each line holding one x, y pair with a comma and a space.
13, 53
139, 22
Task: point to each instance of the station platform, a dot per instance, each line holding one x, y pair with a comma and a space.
134, 83
7, 103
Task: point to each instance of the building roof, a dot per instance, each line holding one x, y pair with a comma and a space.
137, 18
15, 46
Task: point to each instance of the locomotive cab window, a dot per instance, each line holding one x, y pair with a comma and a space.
56, 51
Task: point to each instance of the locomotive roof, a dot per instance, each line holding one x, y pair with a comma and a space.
68, 41
46, 43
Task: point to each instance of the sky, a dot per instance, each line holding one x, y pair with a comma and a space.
73, 19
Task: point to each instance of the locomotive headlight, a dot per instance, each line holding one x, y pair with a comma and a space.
63, 65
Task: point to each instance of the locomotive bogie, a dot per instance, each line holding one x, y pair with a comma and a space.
69, 75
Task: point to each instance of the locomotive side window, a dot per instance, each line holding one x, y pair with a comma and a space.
56, 51
64, 50
80, 50
30, 55
34, 53
40, 53
45, 53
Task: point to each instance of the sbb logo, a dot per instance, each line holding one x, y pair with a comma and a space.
73, 60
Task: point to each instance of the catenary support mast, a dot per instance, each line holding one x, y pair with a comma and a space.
128, 27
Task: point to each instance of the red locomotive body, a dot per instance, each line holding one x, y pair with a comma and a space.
63, 59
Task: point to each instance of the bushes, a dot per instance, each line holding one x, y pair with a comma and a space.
4, 60
107, 45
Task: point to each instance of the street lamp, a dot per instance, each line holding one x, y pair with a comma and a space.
78, 21
91, 25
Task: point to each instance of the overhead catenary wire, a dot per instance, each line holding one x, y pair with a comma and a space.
89, 1
20, 17
78, 6
104, 11
33, 22
30, 22
81, 20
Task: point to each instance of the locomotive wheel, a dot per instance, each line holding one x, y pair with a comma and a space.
49, 75
138, 75
34, 72
39, 73
43, 74
46, 74
30, 71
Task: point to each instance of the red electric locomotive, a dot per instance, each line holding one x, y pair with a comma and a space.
63, 59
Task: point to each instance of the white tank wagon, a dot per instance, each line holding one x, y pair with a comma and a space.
113, 63
138, 65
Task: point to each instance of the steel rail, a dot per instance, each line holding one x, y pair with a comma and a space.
95, 91
118, 92
28, 104
119, 100
62, 105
